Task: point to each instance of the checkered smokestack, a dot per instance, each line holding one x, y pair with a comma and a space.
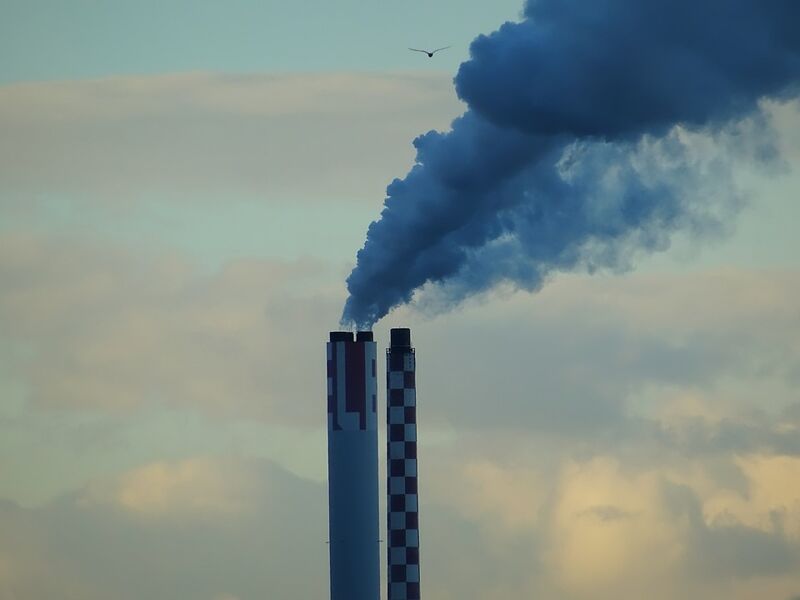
353, 467
401, 472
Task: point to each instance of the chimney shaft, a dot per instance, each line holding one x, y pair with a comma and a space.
353, 467
401, 471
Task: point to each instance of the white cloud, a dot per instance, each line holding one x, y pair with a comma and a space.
530, 494
232, 527
608, 526
109, 330
204, 135
192, 487
610, 533
510, 498
94, 325
771, 501
155, 539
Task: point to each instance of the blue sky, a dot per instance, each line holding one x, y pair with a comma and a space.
83, 39
183, 188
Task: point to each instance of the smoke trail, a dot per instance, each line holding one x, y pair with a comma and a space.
544, 171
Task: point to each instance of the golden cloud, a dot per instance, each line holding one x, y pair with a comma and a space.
192, 487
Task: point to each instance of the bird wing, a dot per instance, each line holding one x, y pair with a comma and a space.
437, 50
416, 50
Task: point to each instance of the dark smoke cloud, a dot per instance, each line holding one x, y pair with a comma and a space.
571, 153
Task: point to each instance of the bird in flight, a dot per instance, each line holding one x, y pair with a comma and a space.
430, 53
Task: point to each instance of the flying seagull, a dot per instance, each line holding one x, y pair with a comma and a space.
430, 53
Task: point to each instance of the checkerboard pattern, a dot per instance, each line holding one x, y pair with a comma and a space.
403, 520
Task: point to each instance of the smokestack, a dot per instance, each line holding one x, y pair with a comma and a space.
353, 467
401, 471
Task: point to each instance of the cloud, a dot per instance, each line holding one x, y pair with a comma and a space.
199, 486
510, 498
588, 429
608, 525
108, 329
233, 527
590, 551
202, 135
98, 326
75, 549
771, 502
602, 357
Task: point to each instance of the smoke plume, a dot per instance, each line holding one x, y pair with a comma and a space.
572, 152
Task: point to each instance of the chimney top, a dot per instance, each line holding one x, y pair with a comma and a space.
400, 337
341, 336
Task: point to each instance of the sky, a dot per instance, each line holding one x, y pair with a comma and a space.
183, 189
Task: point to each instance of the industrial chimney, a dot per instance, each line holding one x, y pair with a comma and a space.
353, 467
401, 471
